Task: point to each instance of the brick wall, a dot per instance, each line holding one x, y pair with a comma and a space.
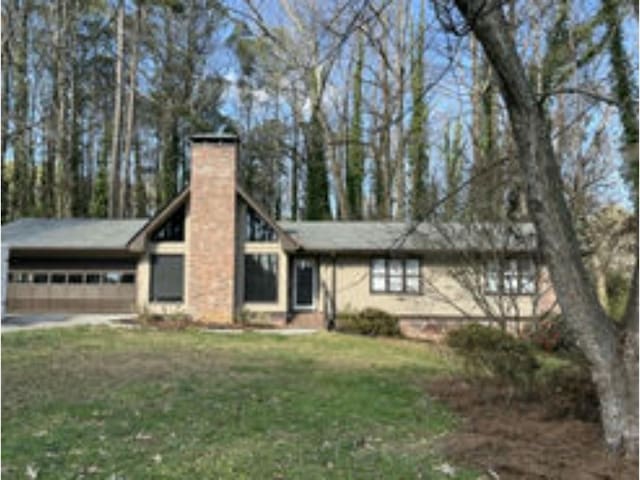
211, 249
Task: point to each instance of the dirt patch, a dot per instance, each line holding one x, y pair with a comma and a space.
524, 439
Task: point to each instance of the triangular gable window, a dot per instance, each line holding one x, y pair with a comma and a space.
257, 228
171, 230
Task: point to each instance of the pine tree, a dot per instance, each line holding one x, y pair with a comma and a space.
317, 207
100, 199
452, 151
418, 143
624, 89
355, 161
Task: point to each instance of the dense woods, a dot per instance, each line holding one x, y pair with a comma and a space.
355, 110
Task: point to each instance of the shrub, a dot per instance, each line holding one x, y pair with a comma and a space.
369, 321
552, 334
488, 350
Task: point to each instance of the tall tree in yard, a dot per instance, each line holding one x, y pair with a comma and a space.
317, 194
114, 157
22, 188
453, 157
125, 191
418, 145
611, 348
485, 195
624, 89
355, 159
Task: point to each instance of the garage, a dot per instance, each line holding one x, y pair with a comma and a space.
73, 285
70, 266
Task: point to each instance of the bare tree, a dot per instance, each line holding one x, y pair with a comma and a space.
611, 349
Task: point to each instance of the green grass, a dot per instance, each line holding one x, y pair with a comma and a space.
114, 403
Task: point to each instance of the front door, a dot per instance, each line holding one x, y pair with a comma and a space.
304, 283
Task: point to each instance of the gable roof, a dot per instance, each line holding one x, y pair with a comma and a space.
338, 236
289, 242
70, 233
136, 241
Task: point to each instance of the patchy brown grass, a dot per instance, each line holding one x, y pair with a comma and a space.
524, 439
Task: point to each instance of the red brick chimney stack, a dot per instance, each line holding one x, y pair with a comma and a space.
211, 248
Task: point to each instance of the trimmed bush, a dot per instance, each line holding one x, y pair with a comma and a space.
369, 321
490, 351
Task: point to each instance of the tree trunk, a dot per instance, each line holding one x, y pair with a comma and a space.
294, 157
125, 198
611, 352
61, 104
114, 172
4, 116
399, 162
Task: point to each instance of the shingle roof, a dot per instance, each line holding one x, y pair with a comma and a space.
70, 233
329, 236
372, 236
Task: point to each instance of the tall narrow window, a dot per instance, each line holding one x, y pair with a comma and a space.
378, 275
257, 228
396, 275
172, 230
527, 276
167, 278
412, 276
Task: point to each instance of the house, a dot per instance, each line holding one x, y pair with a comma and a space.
214, 253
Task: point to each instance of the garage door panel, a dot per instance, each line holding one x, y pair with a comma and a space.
71, 297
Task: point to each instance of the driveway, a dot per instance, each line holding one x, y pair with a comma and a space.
12, 323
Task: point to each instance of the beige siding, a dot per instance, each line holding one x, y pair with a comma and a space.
441, 296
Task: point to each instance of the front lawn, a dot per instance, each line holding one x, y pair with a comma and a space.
115, 403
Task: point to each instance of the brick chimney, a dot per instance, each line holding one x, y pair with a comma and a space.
211, 249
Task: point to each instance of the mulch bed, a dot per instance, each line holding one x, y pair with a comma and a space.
524, 439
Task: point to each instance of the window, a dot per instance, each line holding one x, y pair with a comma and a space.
58, 278
167, 278
23, 277
173, 229
511, 277
128, 277
257, 228
395, 275
261, 278
76, 278
10, 278
378, 275
40, 278
412, 276
93, 278
527, 270
111, 277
